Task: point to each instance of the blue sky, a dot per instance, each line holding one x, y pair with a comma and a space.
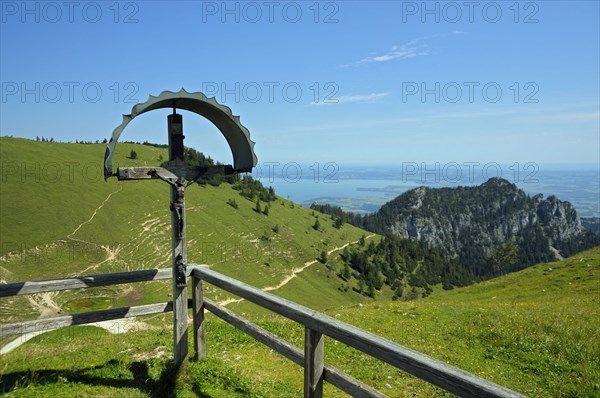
351, 82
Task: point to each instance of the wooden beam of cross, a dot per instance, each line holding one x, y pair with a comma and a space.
172, 173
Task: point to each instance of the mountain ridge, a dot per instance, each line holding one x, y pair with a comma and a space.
474, 224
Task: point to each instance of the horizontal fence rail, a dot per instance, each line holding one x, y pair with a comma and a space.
316, 326
339, 379
83, 282
344, 382
425, 367
58, 322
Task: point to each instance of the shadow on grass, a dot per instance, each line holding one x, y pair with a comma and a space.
112, 374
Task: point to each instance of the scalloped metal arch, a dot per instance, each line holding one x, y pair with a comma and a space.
237, 136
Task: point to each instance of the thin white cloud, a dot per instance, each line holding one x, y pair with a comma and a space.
411, 49
520, 114
352, 99
407, 50
572, 117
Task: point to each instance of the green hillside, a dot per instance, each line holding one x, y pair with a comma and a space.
60, 218
536, 331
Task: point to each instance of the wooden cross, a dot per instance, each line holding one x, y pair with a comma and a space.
175, 173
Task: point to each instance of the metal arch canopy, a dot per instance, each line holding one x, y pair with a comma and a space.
237, 136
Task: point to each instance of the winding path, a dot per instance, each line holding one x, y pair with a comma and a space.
111, 254
45, 304
293, 273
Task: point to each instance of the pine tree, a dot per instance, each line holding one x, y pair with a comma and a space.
361, 285
371, 291
346, 272
272, 196
323, 257
232, 203
257, 208
398, 293
317, 225
338, 223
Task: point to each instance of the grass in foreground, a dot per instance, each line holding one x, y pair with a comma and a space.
536, 332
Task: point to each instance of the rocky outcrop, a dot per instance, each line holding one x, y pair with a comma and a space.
474, 221
559, 218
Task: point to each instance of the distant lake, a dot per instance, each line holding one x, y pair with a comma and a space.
372, 188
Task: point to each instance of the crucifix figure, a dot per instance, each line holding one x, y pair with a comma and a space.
178, 205
178, 209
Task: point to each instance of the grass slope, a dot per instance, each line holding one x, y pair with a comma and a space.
536, 331
59, 219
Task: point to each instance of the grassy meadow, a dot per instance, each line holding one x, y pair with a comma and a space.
536, 331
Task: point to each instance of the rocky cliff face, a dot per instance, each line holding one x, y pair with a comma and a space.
560, 220
474, 221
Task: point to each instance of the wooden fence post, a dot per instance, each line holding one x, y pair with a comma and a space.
313, 364
198, 313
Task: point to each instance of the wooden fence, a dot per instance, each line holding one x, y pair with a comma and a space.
316, 324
